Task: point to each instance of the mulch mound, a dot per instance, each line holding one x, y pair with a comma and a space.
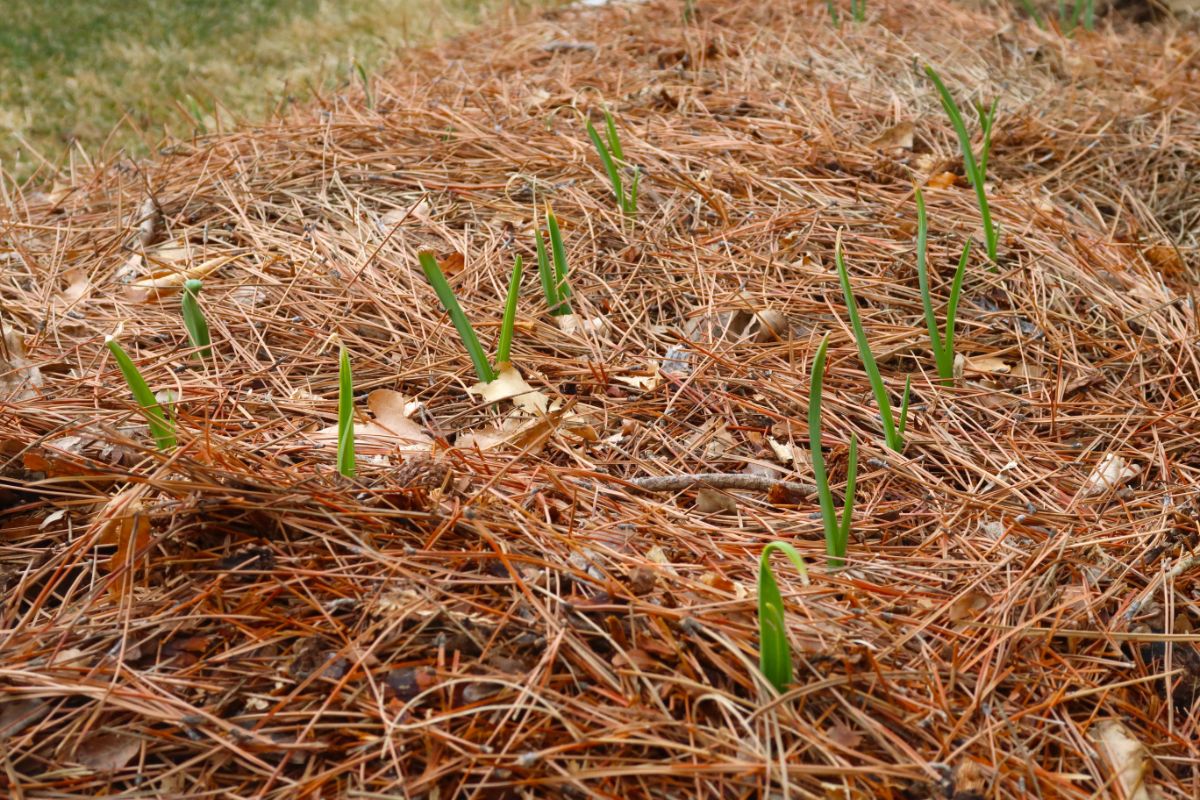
485, 615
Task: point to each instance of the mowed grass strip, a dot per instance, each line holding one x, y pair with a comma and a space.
114, 75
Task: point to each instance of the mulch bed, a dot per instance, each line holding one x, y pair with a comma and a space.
479, 618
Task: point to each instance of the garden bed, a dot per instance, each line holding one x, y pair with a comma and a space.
497, 605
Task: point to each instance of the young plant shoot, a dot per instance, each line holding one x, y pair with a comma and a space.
976, 169
433, 273
345, 450
893, 434
612, 157
193, 318
504, 347
161, 427
774, 650
837, 531
553, 273
943, 349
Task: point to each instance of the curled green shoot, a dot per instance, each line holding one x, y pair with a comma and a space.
433, 273
837, 530
976, 169
943, 349
193, 318
893, 436
161, 427
774, 650
345, 449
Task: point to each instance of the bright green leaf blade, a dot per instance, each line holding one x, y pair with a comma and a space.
817, 456
345, 451
433, 273
160, 427
890, 436
614, 141
614, 174
549, 288
952, 314
504, 348
848, 506
193, 318
774, 654
559, 251
903, 426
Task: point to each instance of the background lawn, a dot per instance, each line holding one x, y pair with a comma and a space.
110, 74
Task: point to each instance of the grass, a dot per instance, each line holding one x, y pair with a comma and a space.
976, 169
837, 530
774, 650
612, 156
893, 432
943, 348
193, 318
466, 333
345, 440
436, 278
552, 267
120, 75
161, 427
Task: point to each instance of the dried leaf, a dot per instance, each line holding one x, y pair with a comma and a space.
988, 364
106, 752
968, 606
390, 431
899, 135
173, 272
574, 323
17, 715
452, 263
1127, 757
1112, 471
644, 382
942, 180
842, 734
510, 385
712, 501
19, 377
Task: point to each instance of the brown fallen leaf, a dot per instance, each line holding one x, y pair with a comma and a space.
942, 180
19, 377
509, 385
106, 752
899, 136
1127, 757
392, 429
842, 734
172, 269
968, 606
711, 501
17, 715
988, 364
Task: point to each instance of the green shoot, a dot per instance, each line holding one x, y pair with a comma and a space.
561, 290
837, 531
345, 451
858, 10
193, 318
160, 425
433, 273
893, 436
366, 82
504, 348
612, 157
774, 651
833, 13
1033, 12
943, 349
976, 170
546, 272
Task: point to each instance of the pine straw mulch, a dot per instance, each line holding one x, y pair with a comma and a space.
230, 619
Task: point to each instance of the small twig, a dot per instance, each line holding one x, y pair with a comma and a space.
720, 480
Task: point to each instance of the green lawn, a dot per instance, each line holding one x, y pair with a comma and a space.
109, 74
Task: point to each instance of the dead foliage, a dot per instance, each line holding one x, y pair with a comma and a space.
513, 615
